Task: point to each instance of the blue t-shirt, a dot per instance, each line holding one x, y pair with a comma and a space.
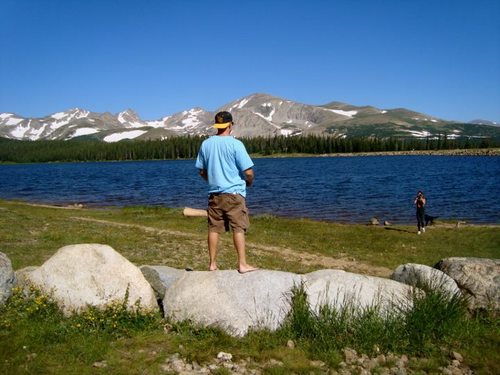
224, 158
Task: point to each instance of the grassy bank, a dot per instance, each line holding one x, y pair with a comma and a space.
36, 339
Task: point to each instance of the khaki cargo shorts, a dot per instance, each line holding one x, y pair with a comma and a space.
225, 211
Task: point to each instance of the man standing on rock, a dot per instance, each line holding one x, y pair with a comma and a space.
224, 162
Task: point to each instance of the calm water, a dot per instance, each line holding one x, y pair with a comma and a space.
346, 189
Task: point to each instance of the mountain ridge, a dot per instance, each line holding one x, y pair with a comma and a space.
258, 114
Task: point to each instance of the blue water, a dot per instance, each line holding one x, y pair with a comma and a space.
344, 189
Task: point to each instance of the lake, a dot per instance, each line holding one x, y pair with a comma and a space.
344, 189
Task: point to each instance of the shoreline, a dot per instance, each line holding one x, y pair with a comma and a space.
455, 152
446, 223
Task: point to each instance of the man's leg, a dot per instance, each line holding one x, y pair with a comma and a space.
213, 240
239, 244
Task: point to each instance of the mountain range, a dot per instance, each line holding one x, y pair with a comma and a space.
254, 115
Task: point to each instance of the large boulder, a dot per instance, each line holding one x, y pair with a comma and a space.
91, 274
261, 299
478, 278
339, 289
421, 275
232, 301
7, 278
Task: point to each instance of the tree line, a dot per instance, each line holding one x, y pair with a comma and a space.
186, 147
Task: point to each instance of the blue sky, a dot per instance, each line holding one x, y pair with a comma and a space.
161, 57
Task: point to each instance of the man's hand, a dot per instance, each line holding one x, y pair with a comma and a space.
203, 174
249, 176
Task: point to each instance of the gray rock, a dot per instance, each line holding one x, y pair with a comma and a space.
340, 289
478, 278
7, 278
235, 302
261, 299
419, 274
92, 274
161, 278
22, 279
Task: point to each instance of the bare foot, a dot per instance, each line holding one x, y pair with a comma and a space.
212, 268
247, 269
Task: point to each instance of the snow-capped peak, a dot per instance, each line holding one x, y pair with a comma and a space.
9, 119
130, 119
74, 113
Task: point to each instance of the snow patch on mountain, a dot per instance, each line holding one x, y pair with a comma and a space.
267, 107
19, 131
13, 121
240, 104
59, 115
288, 132
75, 113
3, 116
424, 119
190, 119
116, 137
342, 112
129, 119
158, 123
83, 131
419, 134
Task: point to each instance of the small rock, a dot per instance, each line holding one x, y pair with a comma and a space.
318, 364
224, 357
196, 366
370, 363
350, 355
290, 344
374, 221
100, 364
397, 371
178, 365
457, 356
381, 359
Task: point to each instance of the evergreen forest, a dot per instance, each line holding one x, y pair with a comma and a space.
186, 147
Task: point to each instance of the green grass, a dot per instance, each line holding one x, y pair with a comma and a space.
36, 338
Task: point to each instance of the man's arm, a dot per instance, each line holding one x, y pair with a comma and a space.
249, 176
203, 174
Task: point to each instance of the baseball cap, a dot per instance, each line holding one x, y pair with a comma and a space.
223, 120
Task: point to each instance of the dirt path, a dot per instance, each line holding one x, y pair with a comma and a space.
292, 255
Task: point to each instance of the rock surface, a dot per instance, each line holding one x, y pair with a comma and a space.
261, 299
338, 288
418, 274
7, 278
161, 278
233, 301
478, 278
91, 274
